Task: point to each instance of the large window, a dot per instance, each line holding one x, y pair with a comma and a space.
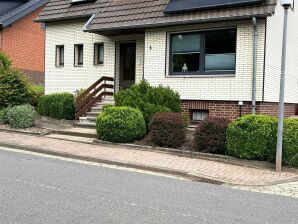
59, 55
78, 54
203, 53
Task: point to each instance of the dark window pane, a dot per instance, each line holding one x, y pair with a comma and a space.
186, 62
183, 43
61, 56
220, 41
220, 50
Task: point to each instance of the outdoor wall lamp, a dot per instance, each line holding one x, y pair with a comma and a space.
240, 104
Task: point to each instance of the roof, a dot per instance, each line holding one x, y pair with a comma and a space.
125, 14
23, 9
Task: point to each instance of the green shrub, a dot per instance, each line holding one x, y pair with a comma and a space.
5, 63
252, 137
3, 115
120, 125
149, 100
21, 116
58, 105
290, 143
167, 129
14, 88
210, 135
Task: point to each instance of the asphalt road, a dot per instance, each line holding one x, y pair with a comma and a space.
37, 189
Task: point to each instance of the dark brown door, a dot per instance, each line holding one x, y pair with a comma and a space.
127, 65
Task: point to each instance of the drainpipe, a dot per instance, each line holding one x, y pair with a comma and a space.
254, 78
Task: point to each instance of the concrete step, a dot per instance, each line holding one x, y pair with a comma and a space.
88, 119
85, 124
77, 132
91, 114
105, 103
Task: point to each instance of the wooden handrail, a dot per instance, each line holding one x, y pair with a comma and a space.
93, 95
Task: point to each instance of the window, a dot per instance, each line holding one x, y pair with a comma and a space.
98, 54
199, 115
60, 55
203, 53
78, 54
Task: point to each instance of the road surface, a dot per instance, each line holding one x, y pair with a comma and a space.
42, 189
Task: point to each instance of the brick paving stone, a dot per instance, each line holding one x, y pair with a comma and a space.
232, 174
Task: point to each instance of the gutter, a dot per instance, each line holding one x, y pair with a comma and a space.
254, 77
85, 27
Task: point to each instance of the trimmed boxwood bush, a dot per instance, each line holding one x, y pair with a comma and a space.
290, 142
21, 116
210, 135
120, 125
58, 105
14, 88
148, 99
167, 129
252, 137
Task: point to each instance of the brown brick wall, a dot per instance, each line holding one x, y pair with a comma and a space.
24, 42
231, 110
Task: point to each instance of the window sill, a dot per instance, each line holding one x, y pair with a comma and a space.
201, 76
59, 66
78, 66
98, 64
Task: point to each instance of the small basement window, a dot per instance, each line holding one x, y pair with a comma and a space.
60, 55
199, 115
98, 54
78, 54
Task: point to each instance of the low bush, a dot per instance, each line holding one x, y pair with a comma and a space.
58, 105
290, 142
120, 125
14, 88
3, 115
5, 62
167, 129
148, 99
252, 137
210, 135
21, 116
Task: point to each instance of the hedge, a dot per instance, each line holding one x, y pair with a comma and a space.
167, 129
120, 125
252, 137
21, 116
210, 135
58, 105
148, 99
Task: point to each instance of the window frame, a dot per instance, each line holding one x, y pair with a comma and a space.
76, 55
96, 55
202, 71
58, 53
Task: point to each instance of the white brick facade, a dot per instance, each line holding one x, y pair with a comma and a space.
69, 77
152, 62
234, 87
273, 57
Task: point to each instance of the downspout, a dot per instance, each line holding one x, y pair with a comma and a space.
254, 78
85, 27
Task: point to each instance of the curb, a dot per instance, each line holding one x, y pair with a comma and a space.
122, 164
24, 132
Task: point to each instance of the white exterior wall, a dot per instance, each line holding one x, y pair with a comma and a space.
273, 57
234, 87
70, 78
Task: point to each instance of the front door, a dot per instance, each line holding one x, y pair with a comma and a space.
127, 65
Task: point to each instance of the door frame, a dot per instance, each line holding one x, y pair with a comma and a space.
121, 62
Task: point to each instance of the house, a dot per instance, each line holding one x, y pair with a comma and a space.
217, 54
22, 39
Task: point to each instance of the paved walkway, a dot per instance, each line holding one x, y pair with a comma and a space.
233, 174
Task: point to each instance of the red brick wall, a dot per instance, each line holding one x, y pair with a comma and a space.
24, 42
231, 110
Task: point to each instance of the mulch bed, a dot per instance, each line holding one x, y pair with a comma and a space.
32, 130
189, 145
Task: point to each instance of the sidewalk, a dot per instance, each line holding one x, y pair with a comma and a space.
148, 160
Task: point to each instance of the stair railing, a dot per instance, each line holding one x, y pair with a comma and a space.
93, 94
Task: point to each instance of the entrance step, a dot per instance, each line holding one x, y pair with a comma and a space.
85, 124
